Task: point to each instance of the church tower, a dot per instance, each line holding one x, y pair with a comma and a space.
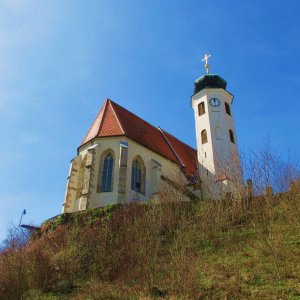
217, 149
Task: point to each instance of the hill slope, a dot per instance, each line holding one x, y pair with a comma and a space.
171, 250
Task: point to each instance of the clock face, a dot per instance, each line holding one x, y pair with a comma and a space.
214, 102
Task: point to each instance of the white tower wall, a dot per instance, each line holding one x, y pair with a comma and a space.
218, 157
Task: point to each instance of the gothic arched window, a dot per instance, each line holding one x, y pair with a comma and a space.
231, 136
105, 179
204, 136
106, 185
138, 176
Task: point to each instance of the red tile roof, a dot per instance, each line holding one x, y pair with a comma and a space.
115, 120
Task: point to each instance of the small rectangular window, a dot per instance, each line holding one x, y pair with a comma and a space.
227, 109
231, 136
201, 109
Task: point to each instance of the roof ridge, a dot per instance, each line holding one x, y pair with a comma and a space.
178, 139
116, 104
104, 104
171, 146
102, 119
112, 103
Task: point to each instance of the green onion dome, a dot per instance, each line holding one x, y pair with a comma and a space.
212, 81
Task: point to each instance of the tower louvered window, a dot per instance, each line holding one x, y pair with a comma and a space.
227, 109
201, 109
204, 136
231, 136
108, 162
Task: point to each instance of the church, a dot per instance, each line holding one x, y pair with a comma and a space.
123, 158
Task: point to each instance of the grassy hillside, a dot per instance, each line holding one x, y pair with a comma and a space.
171, 250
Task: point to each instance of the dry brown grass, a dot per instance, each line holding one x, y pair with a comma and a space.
208, 250
173, 249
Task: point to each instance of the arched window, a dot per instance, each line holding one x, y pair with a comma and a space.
106, 185
138, 176
227, 109
105, 179
204, 136
231, 136
201, 109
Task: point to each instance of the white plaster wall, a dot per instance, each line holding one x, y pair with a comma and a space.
219, 152
203, 122
168, 168
104, 198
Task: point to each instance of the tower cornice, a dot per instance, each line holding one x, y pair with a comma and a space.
207, 91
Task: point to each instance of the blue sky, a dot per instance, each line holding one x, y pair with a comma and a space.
59, 61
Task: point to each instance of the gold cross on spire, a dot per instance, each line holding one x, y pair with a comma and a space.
205, 58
